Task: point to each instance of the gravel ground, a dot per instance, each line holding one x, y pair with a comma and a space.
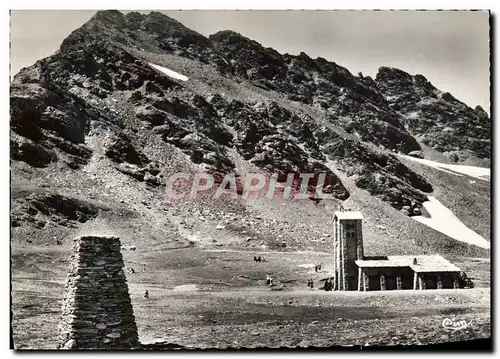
187, 306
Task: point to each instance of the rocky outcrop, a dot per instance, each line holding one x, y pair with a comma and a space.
33, 154
324, 85
249, 59
97, 311
481, 112
43, 123
381, 174
40, 207
440, 120
122, 150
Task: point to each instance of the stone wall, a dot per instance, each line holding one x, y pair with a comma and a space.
336, 254
359, 240
97, 312
344, 258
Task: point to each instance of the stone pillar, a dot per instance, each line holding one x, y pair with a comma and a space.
455, 282
366, 282
97, 312
382, 282
399, 282
421, 283
415, 283
439, 282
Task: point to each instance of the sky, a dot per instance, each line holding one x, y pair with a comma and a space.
450, 48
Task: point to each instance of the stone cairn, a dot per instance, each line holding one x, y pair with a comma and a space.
97, 312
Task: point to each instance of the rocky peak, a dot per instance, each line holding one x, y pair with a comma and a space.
305, 59
441, 121
229, 36
250, 59
160, 24
388, 74
134, 16
108, 17
423, 87
481, 112
154, 32
153, 22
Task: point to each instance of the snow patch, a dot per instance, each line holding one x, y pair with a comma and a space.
443, 220
391, 98
472, 171
169, 73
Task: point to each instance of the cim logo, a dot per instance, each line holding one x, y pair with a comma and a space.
455, 324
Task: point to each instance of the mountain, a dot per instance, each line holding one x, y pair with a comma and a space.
98, 128
436, 118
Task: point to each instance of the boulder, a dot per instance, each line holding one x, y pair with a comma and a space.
417, 154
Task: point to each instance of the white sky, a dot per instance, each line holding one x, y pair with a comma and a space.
450, 48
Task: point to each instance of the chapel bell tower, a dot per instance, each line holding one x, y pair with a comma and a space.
348, 247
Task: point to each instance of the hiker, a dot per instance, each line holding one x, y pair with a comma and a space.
255, 259
308, 283
319, 267
312, 284
131, 270
269, 280
146, 294
259, 259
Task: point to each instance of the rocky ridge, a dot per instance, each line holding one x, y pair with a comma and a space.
99, 86
438, 119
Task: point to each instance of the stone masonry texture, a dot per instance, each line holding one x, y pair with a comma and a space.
97, 312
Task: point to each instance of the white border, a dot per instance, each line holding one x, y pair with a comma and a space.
253, 5
188, 4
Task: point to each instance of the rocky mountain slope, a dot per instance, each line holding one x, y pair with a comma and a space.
437, 118
96, 131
